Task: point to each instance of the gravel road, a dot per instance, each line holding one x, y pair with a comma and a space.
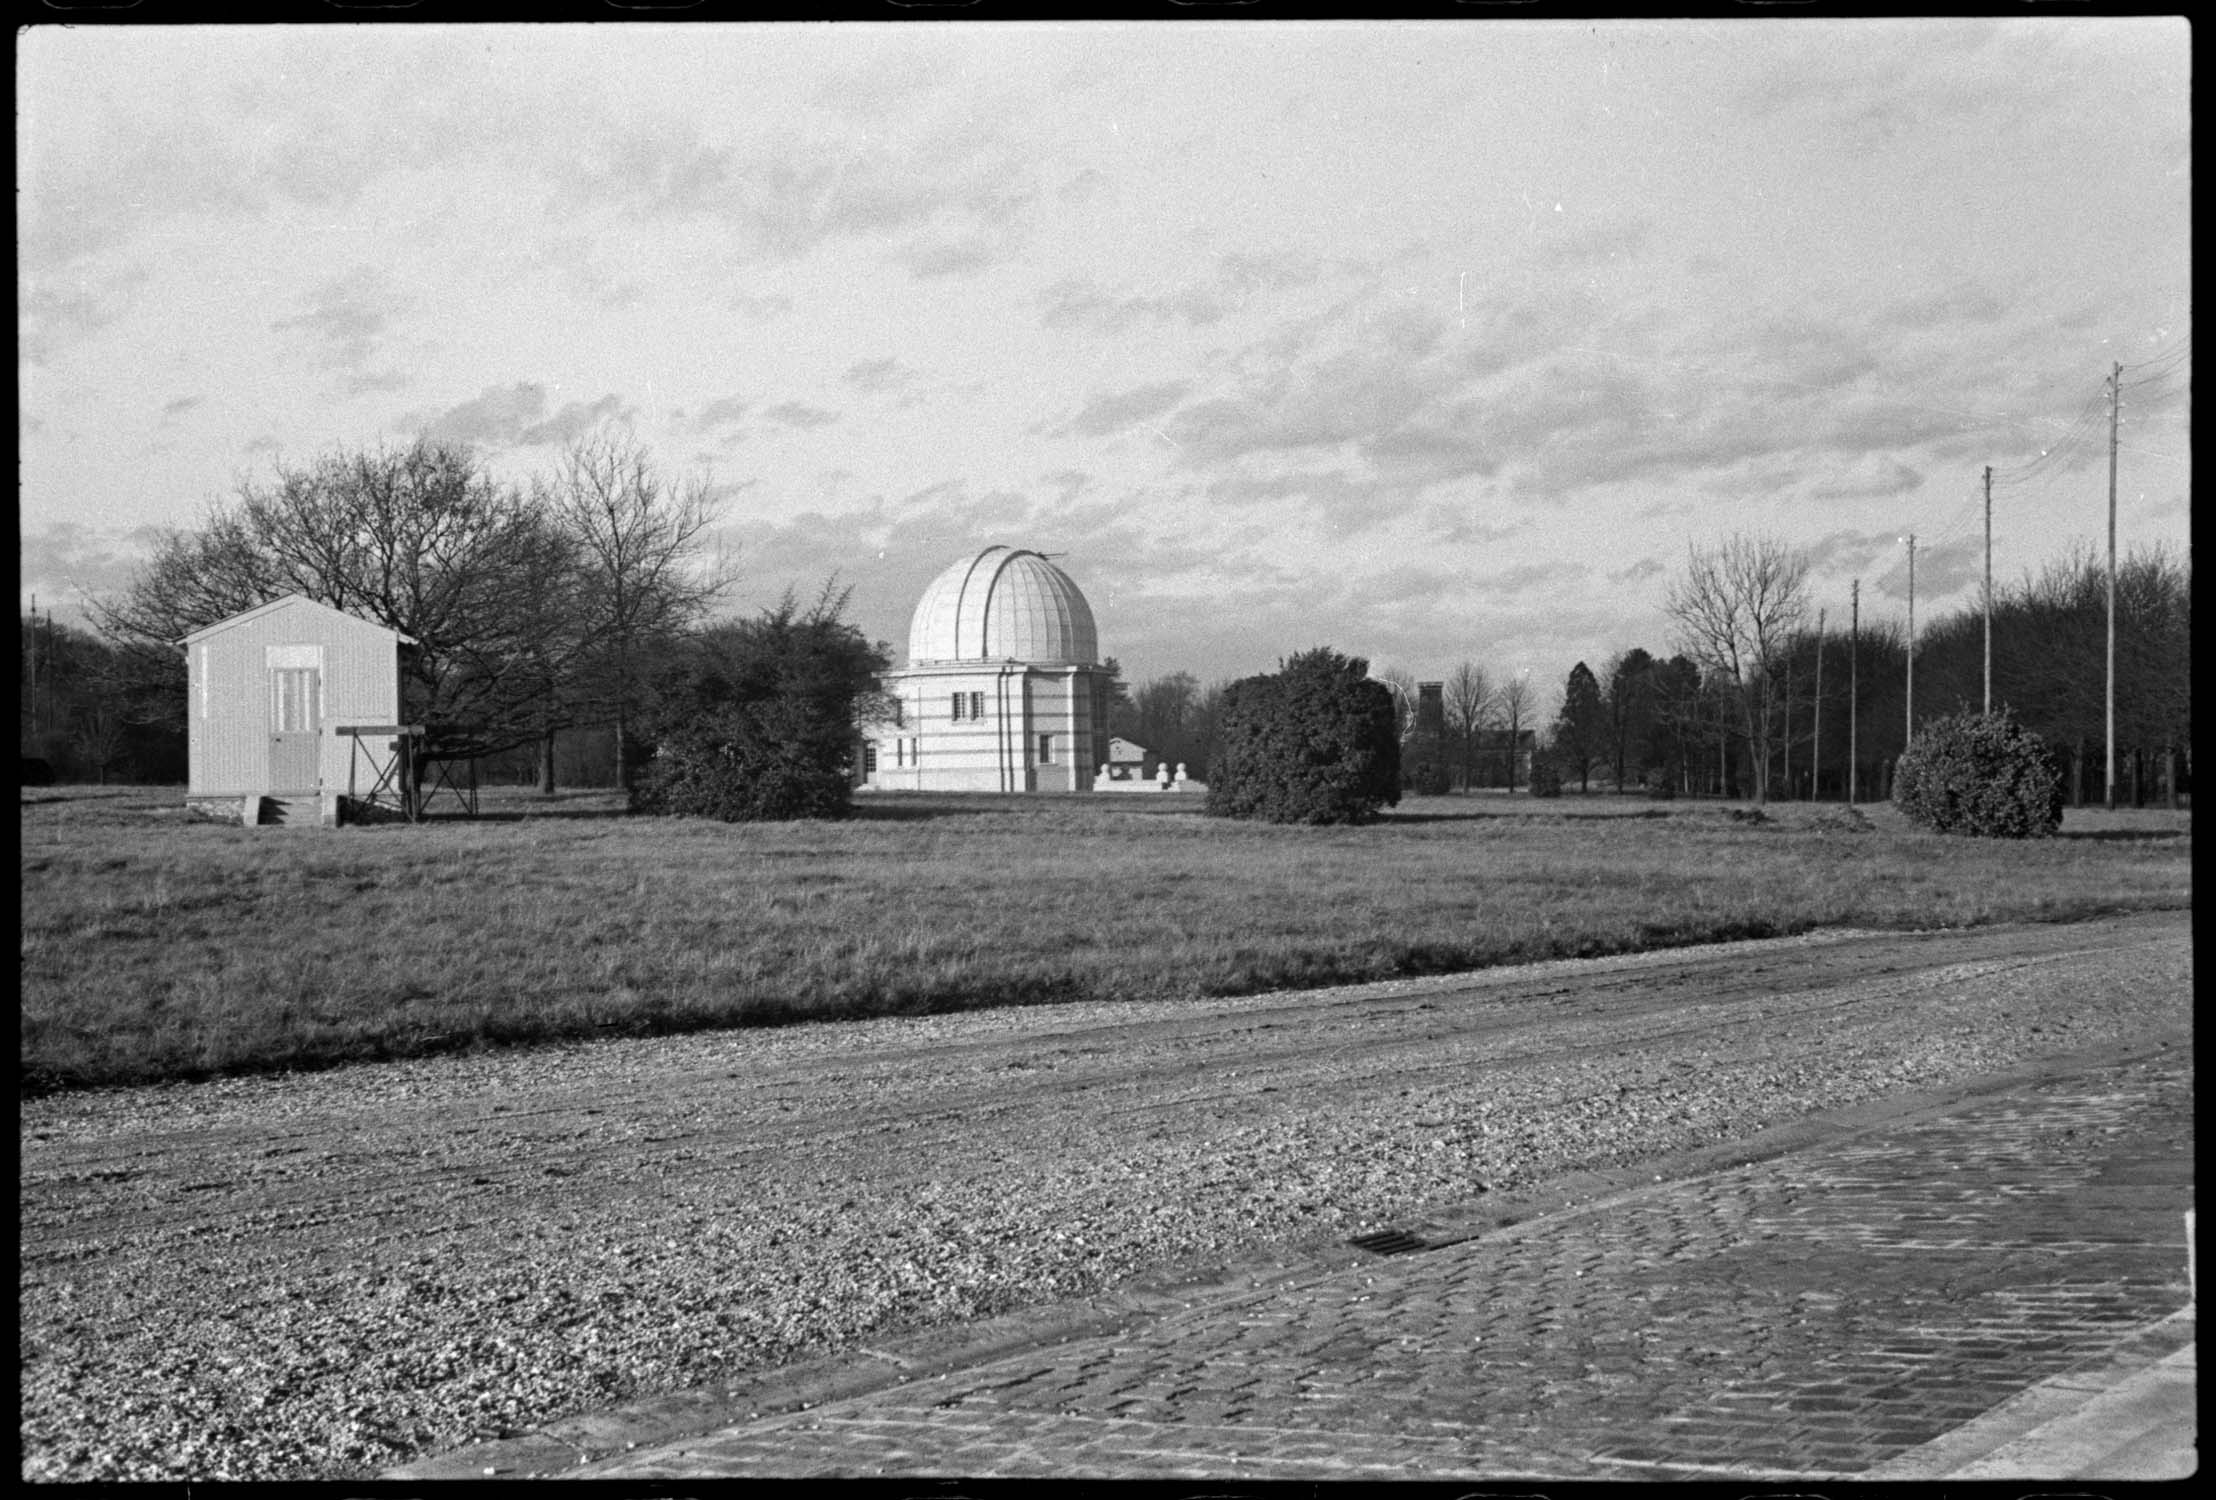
323, 1276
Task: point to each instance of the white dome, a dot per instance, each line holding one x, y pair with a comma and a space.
1003, 605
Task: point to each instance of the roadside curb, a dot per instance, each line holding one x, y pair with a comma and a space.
2044, 1432
572, 1442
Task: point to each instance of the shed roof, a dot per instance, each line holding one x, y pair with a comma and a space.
294, 601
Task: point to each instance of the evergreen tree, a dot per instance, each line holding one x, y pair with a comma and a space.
1581, 730
759, 719
1315, 742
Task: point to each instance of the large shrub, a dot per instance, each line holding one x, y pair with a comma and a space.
1980, 774
1315, 742
758, 719
750, 763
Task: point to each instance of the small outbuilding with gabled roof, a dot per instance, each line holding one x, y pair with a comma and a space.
269, 694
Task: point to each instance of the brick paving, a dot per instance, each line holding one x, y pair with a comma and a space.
1814, 1315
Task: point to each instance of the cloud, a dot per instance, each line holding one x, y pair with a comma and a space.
1084, 187
515, 416
1806, 351
129, 133
496, 417
345, 317
1069, 483
1883, 476
964, 257
1213, 294
575, 420
1962, 302
49, 318
1329, 380
1345, 504
65, 563
797, 414
1123, 409
1078, 302
878, 375
783, 196
726, 411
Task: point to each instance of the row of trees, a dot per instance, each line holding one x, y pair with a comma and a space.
1762, 703
77, 718
535, 608
579, 600
1483, 735
1173, 716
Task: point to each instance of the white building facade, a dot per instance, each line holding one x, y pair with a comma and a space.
270, 694
1003, 691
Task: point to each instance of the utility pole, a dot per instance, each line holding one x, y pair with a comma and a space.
1788, 730
1910, 707
2115, 404
30, 671
1854, 685
1988, 588
1816, 738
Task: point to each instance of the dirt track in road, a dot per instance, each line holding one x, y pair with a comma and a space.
324, 1275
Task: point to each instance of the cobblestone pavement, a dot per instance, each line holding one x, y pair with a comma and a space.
1811, 1315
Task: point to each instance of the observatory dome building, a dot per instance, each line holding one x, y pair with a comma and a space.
1003, 691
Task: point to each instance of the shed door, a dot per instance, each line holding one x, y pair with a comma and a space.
295, 729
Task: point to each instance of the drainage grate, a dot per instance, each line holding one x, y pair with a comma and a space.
1389, 1242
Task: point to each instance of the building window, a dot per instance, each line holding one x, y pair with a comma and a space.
957, 708
900, 752
1046, 749
869, 757
900, 714
977, 705
293, 707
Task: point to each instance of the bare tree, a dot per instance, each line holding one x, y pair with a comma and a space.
98, 732
1518, 702
644, 573
1469, 695
418, 539
1736, 610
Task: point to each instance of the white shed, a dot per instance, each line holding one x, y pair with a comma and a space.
1126, 758
269, 693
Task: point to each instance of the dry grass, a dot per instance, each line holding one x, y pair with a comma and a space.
157, 946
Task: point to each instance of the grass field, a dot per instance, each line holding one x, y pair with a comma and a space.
159, 946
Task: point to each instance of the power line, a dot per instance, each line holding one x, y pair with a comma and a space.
2080, 432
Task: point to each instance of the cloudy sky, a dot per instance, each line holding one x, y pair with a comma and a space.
1429, 342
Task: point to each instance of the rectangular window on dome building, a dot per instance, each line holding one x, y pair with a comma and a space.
957, 708
977, 705
1046, 749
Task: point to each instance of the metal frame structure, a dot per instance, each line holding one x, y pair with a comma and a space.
395, 785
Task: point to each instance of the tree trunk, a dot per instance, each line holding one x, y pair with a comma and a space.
546, 763
623, 752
